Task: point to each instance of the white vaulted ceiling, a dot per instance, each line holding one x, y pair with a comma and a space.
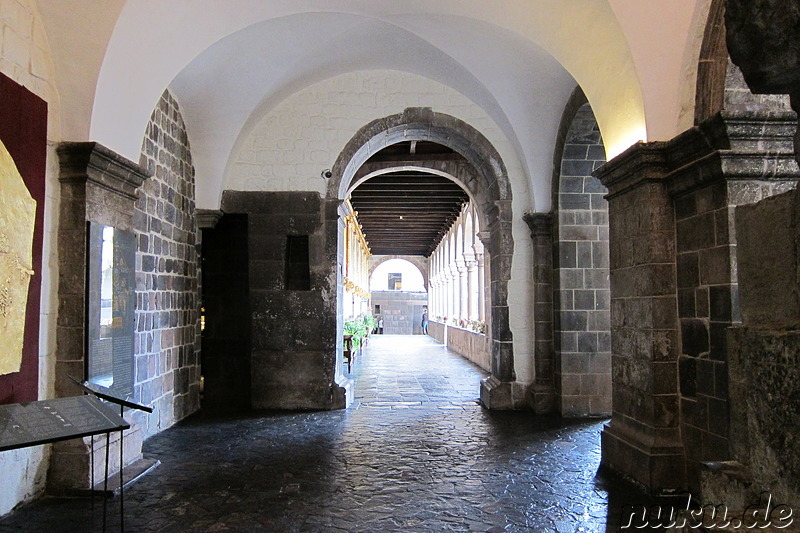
230, 61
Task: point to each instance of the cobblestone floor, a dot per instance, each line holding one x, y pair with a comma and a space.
415, 453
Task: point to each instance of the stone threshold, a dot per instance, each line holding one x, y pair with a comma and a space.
131, 474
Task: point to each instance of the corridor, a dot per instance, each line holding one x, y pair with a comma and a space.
415, 453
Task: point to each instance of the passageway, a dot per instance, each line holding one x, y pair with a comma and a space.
416, 453
414, 371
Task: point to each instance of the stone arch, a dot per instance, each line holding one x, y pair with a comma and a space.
720, 84
713, 65
581, 297
422, 266
489, 186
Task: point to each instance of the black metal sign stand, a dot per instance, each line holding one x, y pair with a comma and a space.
33, 423
106, 394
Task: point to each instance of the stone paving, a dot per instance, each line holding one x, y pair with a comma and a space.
415, 453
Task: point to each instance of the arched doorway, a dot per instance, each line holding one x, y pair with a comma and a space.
582, 302
399, 295
484, 177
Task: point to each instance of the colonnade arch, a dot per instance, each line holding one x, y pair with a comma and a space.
458, 285
417, 261
485, 179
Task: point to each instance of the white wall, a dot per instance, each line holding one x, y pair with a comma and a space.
305, 133
25, 58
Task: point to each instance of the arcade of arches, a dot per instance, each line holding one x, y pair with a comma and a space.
604, 220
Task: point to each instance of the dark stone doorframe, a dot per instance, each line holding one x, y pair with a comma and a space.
489, 187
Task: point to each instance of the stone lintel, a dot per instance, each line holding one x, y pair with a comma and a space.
91, 162
207, 218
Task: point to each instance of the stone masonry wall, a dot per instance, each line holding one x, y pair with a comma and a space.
293, 344
401, 311
764, 351
708, 304
582, 301
167, 276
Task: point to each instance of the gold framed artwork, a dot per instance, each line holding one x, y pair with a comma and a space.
17, 218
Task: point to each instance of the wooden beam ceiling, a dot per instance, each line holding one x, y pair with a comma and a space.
408, 213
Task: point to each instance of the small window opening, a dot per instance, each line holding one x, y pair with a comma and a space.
395, 282
298, 272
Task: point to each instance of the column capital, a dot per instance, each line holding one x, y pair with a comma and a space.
207, 218
644, 162
540, 224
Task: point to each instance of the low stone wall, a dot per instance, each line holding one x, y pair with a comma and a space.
473, 346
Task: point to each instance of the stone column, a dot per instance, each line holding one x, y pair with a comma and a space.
454, 290
472, 289
501, 390
481, 287
463, 290
643, 439
97, 185
543, 391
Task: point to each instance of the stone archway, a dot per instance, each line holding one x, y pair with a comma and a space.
487, 183
582, 338
421, 265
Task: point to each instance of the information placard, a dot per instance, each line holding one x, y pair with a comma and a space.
33, 423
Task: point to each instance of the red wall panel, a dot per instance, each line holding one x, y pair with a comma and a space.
23, 131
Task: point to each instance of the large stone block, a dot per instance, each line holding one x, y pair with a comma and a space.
768, 282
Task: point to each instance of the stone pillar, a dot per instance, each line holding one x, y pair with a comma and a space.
643, 439
733, 169
674, 288
501, 390
453, 296
543, 391
463, 290
472, 289
481, 287
97, 185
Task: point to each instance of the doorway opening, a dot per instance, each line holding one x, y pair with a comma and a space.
398, 291
424, 145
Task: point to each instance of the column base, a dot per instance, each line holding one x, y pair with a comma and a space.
343, 393
504, 395
658, 467
543, 398
71, 460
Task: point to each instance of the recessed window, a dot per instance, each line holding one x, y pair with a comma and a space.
395, 282
298, 272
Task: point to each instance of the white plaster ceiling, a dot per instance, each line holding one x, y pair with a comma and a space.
230, 61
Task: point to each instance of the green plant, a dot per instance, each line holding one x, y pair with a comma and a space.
360, 328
